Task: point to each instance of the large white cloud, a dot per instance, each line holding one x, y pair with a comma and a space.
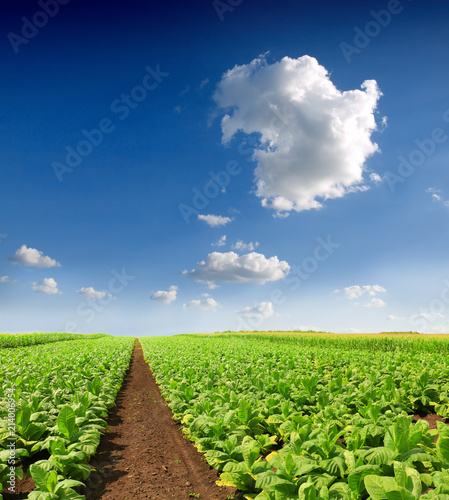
259, 312
32, 257
214, 220
166, 297
230, 267
314, 138
47, 286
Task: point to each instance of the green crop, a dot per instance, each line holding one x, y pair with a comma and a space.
288, 417
8, 340
60, 395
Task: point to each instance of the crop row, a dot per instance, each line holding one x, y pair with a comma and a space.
288, 421
25, 339
433, 344
53, 401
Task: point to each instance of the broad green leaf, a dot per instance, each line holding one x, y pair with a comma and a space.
52, 480
307, 491
443, 442
375, 485
39, 476
66, 422
250, 451
357, 476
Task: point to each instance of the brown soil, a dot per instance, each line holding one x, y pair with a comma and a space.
431, 418
144, 454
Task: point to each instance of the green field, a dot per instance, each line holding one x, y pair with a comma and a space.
281, 416
54, 396
312, 416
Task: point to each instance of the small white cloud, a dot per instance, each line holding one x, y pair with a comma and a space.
91, 293
355, 291
166, 297
221, 242
32, 257
205, 304
47, 286
204, 83
230, 267
431, 316
6, 279
187, 89
375, 177
259, 312
375, 303
214, 220
314, 138
436, 196
392, 317
242, 246
177, 109
354, 330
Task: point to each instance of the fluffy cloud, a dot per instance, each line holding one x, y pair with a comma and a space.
214, 220
91, 293
375, 303
221, 242
47, 286
259, 312
242, 246
5, 279
355, 291
431, 316
314, 138
230, 267
206, 304
32, 257
166, 297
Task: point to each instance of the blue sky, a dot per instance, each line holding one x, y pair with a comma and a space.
333, 197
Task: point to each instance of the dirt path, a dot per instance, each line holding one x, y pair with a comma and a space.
144, 455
